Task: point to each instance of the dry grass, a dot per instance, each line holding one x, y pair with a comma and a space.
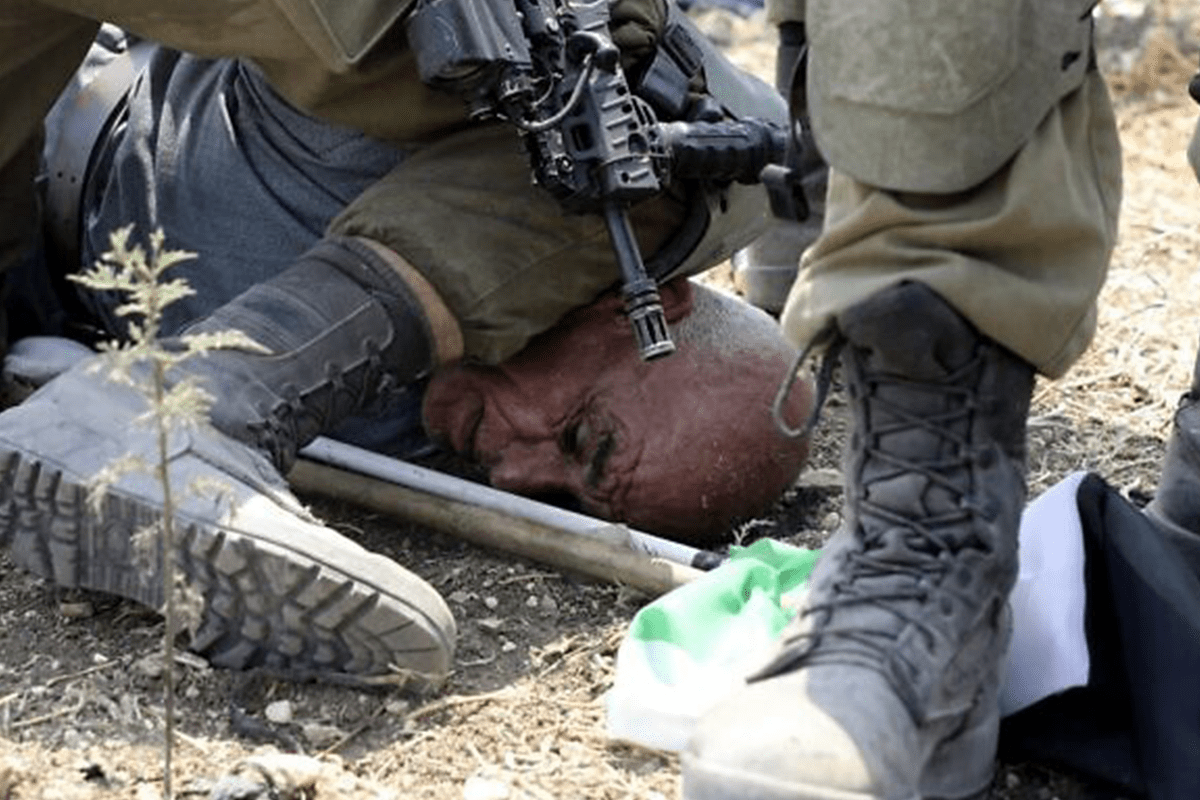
523, 718
1123, 390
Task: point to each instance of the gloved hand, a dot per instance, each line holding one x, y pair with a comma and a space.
635, 26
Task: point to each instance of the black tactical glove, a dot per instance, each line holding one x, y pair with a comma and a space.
636, 26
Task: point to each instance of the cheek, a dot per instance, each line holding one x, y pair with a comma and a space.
452, 413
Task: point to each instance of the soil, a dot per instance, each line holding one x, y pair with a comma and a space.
81, 680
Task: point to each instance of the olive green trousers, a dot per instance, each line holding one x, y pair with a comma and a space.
1022, 255
974, 149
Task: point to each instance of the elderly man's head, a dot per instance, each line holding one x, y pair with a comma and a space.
684, 446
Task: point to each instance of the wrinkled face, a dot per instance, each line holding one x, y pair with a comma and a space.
682, 446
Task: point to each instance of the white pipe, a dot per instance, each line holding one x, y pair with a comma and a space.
439, 484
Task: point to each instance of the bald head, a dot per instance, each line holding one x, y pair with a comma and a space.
684, 446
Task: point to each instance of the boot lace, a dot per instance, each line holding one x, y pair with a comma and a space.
296, 417
901, 557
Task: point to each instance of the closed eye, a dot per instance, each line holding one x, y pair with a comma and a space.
604, 449
575, 438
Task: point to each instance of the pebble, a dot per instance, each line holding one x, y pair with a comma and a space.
145, 791
491, 602
477, 788
73, 739
279, 712
237, 787
150, 666
76, 610
320, 735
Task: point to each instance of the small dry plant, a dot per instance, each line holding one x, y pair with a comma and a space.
175, 401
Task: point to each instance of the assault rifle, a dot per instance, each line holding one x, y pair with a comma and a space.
551, 68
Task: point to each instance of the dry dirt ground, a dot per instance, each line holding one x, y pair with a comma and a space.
81, 704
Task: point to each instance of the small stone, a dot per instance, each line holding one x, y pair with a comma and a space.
549, 604
279, 712
508, 646
99, 659
822, 479
1012, 780
76, 610
459, 596
531, 602
73, 739
238, 787
192, 660
320, 735
145, 791
491, 602
490, 624
150, 666
478, 788
280, 774
831, 522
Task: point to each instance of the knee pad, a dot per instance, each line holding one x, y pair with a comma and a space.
936, 95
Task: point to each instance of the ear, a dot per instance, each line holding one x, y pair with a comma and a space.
676, 296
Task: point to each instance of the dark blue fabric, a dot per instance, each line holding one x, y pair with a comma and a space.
1137, 722
206, 151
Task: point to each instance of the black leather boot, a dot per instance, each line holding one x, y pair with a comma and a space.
278, 588
1175, 509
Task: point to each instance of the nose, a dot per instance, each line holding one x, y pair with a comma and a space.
534, 468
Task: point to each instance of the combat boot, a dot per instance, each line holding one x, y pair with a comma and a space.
885, 685
276, 588
1175, 509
